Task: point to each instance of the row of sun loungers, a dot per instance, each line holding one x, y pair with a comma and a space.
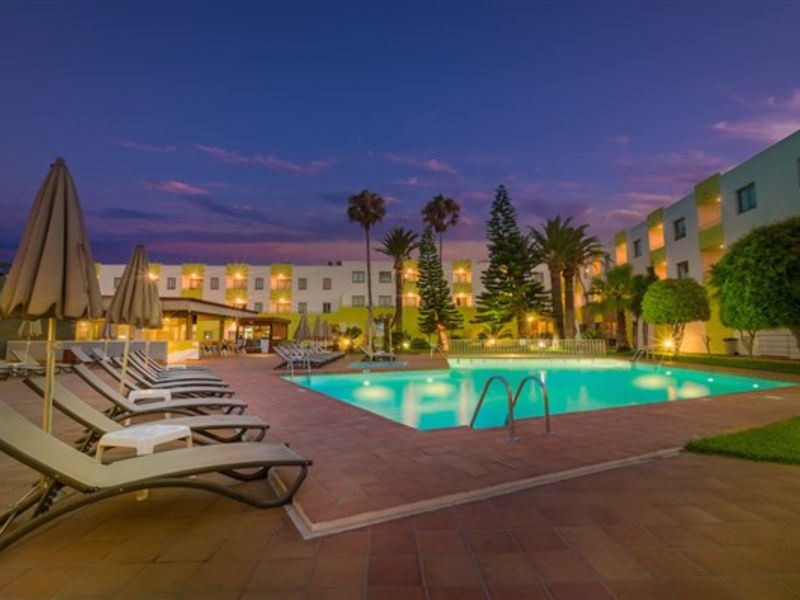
311, 356
227, 441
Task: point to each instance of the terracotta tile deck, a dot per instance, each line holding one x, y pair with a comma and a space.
686, 527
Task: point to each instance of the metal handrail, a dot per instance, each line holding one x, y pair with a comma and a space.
511, 434
545, 398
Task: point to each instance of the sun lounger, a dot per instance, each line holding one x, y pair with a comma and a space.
65, 467
81, 355
135, 382
202, 425
378, 355
154, 364
125, 407
169, 376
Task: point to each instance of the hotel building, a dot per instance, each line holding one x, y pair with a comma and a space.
686, 238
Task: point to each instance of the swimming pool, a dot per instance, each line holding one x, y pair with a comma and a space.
447, 398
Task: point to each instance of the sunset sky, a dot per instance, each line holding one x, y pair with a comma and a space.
236, 132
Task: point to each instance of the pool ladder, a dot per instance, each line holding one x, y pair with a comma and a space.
512, 402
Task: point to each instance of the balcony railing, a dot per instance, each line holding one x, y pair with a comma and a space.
539, 348
709, 224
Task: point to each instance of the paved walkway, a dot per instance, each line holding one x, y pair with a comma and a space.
687, 527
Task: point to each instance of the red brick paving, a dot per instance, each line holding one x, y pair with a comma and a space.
688, 527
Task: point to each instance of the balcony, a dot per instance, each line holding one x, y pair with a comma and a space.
710, 236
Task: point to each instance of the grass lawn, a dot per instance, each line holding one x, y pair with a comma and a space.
777, 442
741, 362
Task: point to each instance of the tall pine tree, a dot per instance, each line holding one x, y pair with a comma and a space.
437, 313
510, 290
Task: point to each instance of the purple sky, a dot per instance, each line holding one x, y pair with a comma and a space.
236, 134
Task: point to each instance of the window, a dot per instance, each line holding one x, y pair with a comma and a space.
302, 283
214, 283
302, 307
326, 283
385, 301
117, 281
326, 307
679, 227
258, 307
357, 301
637, 247
384, 277
283, 283
538, 277
196, 283
171, 283
683, 269
358, 277
746, 198
258, 283
462, 276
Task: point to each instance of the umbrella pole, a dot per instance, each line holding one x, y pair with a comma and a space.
50, 374
125, 360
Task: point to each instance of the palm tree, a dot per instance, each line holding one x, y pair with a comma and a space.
616, 291
439, 214
582, 250
366, 209
399, 243
640, 283
553, 242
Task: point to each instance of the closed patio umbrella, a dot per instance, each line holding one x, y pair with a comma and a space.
302, 332
29, 329
317, 331
134, 303
326, 330
53, 274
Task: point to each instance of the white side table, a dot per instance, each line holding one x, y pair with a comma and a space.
144, 438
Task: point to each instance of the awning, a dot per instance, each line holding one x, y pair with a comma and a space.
177, 306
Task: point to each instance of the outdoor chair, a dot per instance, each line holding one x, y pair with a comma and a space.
170, 376
99, 423
136, 383
125, 407
154, 364
132, 373
66, 470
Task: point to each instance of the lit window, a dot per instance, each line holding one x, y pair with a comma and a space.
258, 283
195, 283
637, 247
746, 198
358, 301
358, 277
679, 227
385, 301
302, 283
214, 283
683, 269
326, 283
385, 277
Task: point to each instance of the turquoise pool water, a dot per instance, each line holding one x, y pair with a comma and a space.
447, 398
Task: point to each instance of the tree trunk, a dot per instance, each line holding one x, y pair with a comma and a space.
645, 334
751, 342
677, 336
441, 333
369, 293
622, 335
635, 332
441, 235
522, 322
555, 296
569, 304
398, 296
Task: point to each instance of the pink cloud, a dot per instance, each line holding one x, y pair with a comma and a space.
429, 164
677, 169
143, 147
176, 187
270, 161
774, 119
